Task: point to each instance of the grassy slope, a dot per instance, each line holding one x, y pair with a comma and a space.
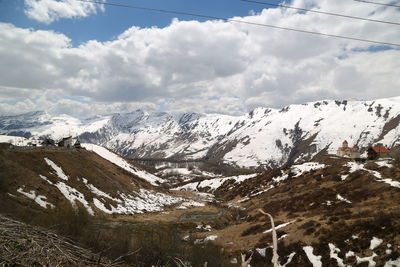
374, 212
22, 169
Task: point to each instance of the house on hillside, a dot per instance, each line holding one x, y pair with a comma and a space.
346, 151
48, 142
66, 142
33, 142
378, 151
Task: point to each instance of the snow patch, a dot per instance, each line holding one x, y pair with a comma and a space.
210, 238
281, 178
384, 163
41, 200
71, 194
188, 204
204, 228
344, 177
144, 201
375, 242
290, 258
57, 169
306, 167
214, 184
261, 251
314, 259
98, 204
334, 254
359, 166
390, 182
95, 190
339, 197
393, 263
370, 260
205, 240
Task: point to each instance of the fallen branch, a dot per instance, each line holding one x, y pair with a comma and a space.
274, 240
25, 245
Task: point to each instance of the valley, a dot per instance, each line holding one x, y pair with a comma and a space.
331, 210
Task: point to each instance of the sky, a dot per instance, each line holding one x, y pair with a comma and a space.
83, 59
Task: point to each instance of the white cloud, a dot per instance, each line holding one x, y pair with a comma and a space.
78, 107
211, 66
48, 11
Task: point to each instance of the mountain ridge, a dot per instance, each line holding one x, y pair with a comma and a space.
264, 137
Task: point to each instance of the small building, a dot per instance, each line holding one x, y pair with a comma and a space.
48, 142
346, 151
377, 152
66, 142
77, 144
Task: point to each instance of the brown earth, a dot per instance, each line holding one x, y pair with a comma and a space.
309, 202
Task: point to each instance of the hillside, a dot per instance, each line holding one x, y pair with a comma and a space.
264, 137
332, 211
45, 178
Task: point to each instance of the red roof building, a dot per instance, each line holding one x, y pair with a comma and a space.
376, 152
380, 149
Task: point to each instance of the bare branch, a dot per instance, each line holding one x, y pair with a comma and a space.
274, 240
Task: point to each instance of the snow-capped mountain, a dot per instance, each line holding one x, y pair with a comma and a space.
265, 136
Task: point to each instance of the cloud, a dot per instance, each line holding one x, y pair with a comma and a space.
54, 104
212, 66
48, 11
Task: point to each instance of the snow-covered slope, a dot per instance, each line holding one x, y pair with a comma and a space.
299, 132
40, 123
266, 137
119, 161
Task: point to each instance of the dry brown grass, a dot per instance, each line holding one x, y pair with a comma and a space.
23, 245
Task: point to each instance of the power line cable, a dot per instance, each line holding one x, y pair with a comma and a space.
241, 21
376, 3
321, 12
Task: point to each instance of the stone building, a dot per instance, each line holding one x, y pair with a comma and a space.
346, 151
66, 142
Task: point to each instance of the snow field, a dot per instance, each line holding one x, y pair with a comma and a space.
140, 202
214, 184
